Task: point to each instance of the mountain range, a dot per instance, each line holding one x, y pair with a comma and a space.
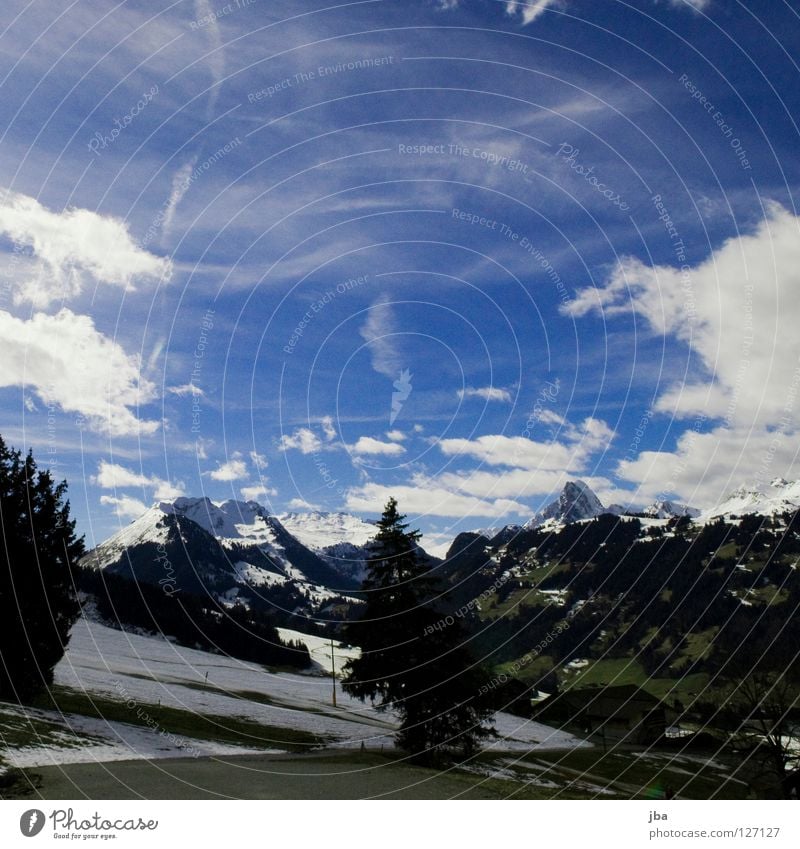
234, 551
311, 564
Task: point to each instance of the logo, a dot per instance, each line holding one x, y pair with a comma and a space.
31, 822
402, 388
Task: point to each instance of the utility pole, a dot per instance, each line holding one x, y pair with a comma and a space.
333, 674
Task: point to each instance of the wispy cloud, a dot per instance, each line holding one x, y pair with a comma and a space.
487, 393
379, 333
180, 185
529, 12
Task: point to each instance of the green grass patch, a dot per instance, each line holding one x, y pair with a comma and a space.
18, 729
181, 723
652, 774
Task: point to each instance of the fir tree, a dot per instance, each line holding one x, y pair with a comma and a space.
37, 598
414, 659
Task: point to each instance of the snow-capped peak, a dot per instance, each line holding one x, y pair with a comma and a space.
575, 502
670, 509
228, 520
780, 497
318, 530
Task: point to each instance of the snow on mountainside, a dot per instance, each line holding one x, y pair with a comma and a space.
340, 539
228, 549
670, 509
319, 531
780, 496
230, 521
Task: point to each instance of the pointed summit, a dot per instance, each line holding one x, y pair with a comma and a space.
576, 502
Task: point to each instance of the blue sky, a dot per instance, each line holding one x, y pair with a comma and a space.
459, 252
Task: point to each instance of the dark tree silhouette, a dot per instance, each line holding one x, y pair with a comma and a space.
415, 659
37, 598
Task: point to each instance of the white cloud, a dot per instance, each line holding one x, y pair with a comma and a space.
301, 504
115, 476
737, 310
328, 429
430, 500
395, 435
531, 10
258, 460
697, 5
378, 332
232, 470
256, 492
185, 390
519, 452
303, 440
125, 507
366, 446
71, 245
65, 361
487, 393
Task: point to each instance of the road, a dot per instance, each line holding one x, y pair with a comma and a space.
318, 776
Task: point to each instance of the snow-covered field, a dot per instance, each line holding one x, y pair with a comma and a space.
146, 671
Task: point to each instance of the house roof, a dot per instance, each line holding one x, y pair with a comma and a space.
620, 701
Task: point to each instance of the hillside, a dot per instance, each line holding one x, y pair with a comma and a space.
679, 605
